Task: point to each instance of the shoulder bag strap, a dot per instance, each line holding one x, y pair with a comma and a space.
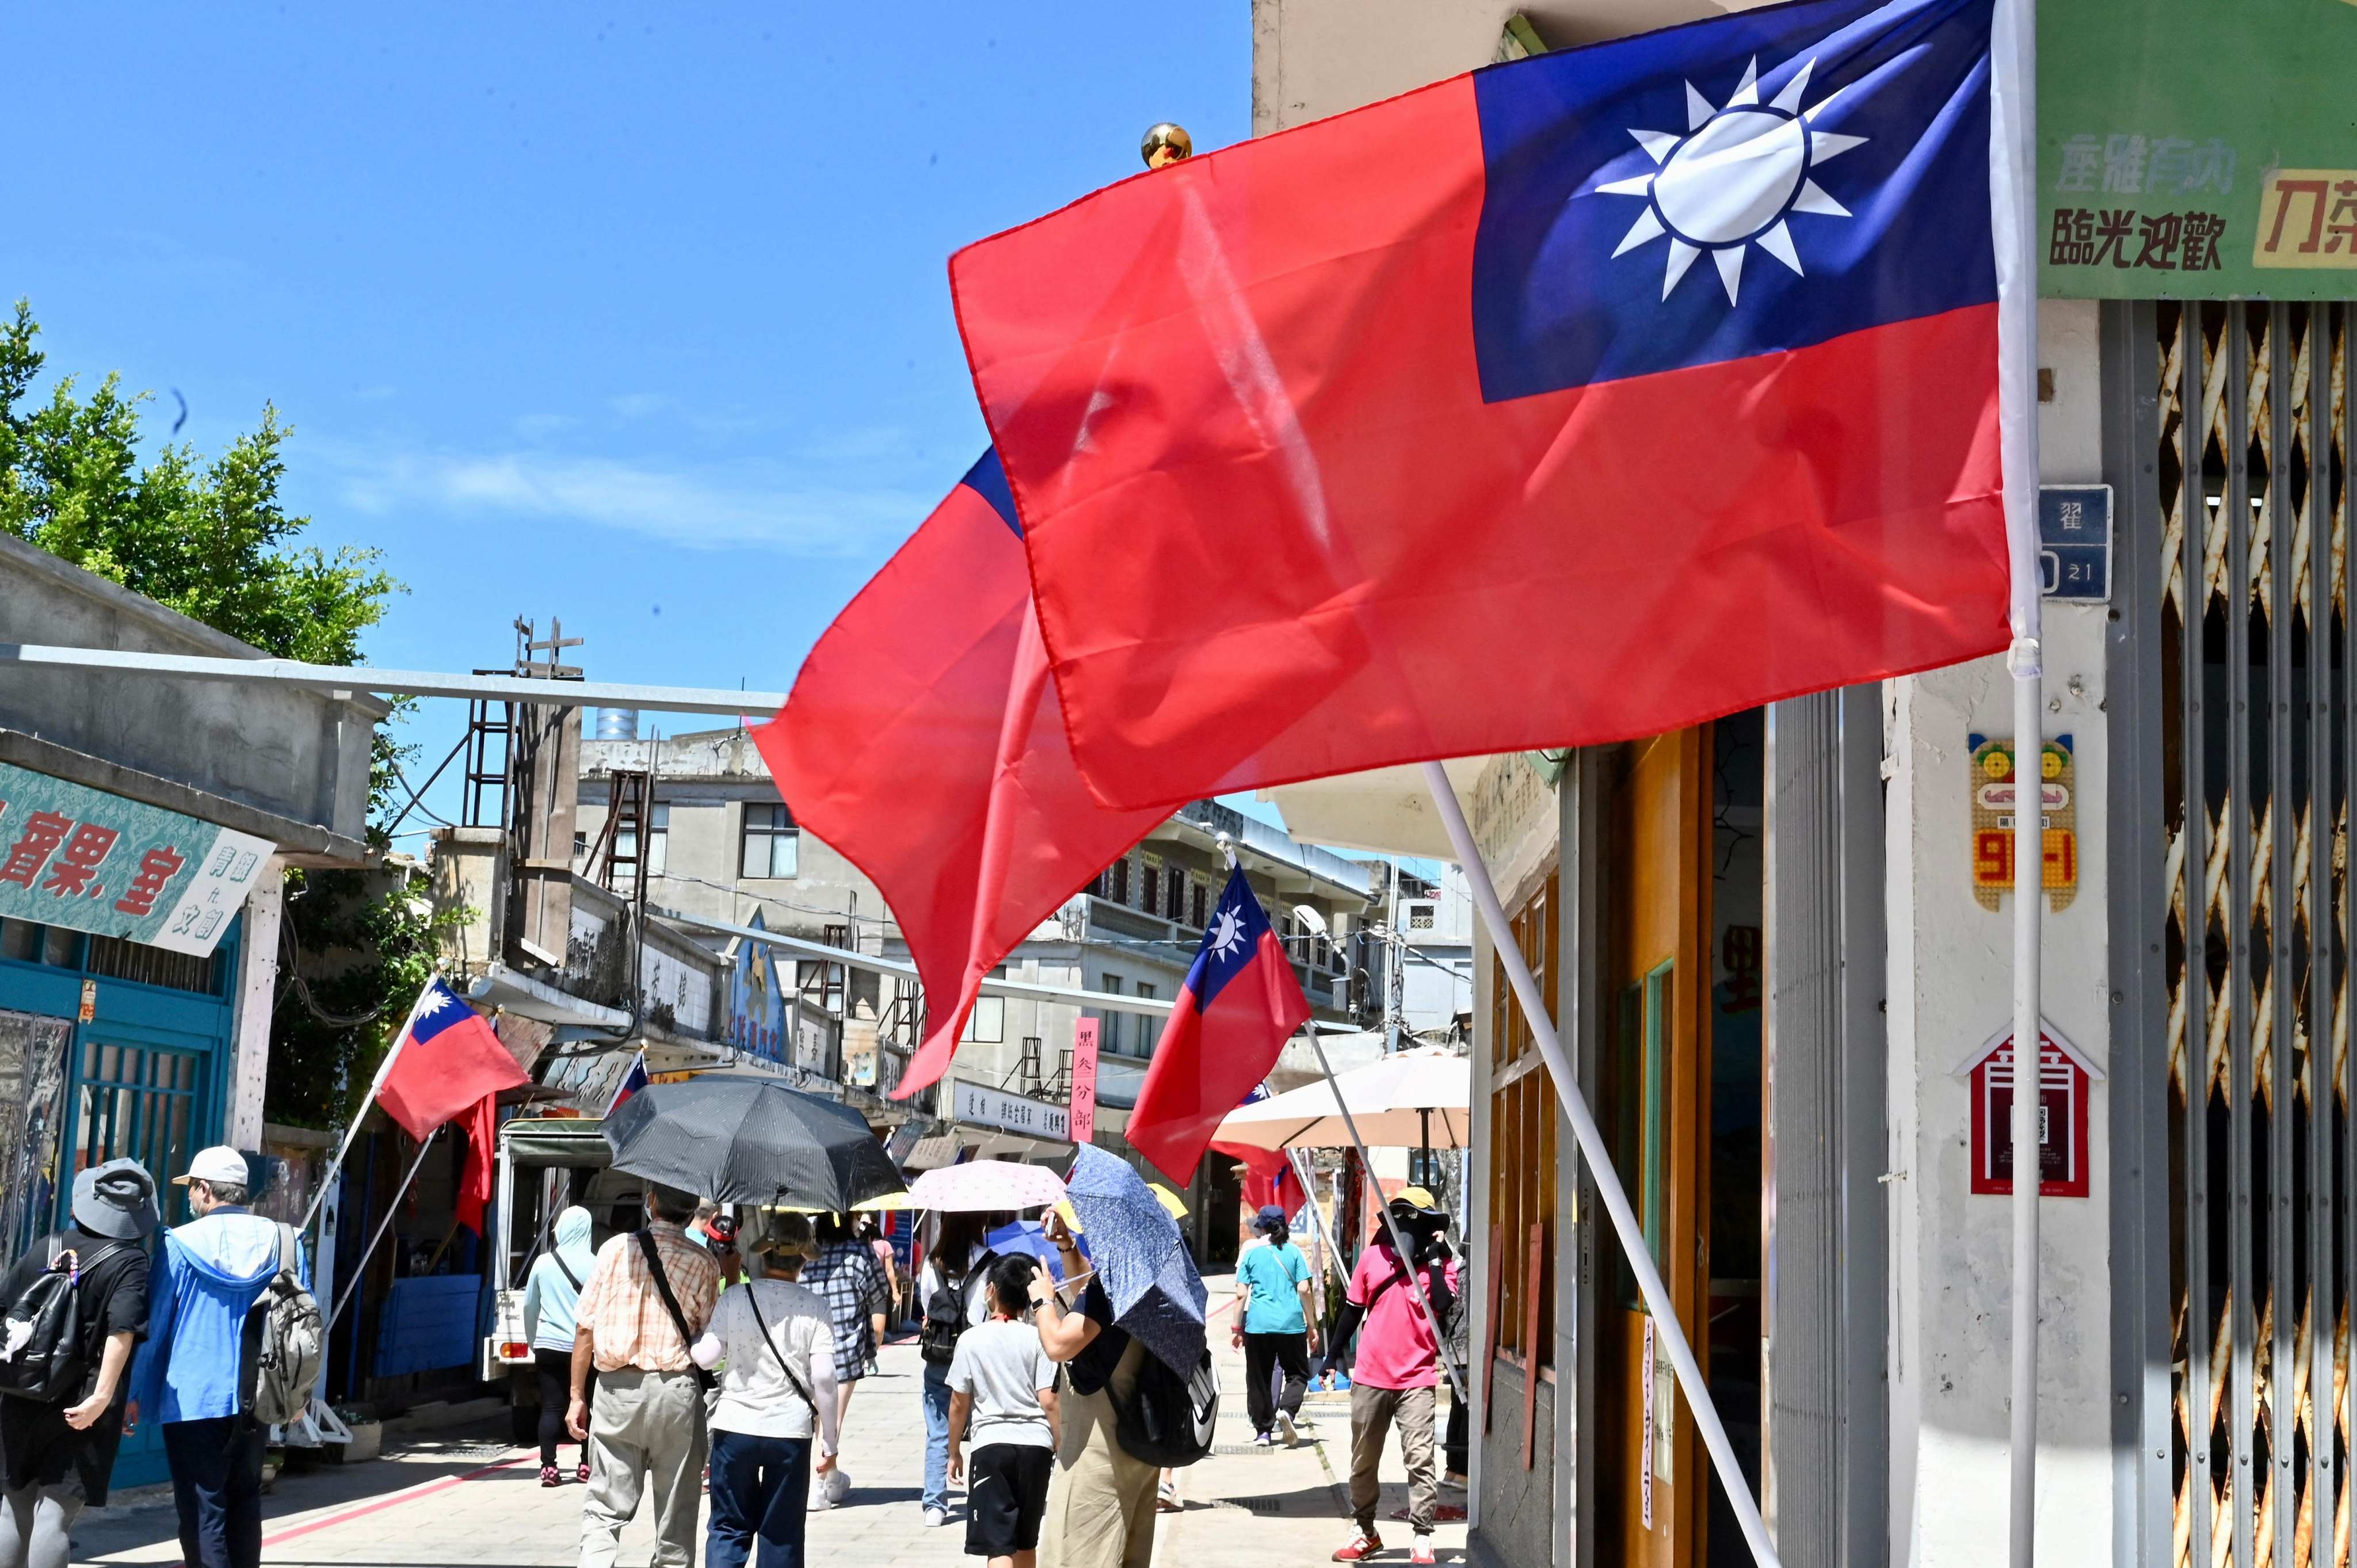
662, 1288
558, 1259
753, 1300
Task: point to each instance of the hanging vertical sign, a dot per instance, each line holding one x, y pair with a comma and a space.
1645, 1439
1084, 1080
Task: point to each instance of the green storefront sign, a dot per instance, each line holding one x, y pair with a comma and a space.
2196, 149
82, 858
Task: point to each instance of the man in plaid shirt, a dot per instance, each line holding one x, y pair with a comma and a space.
845, 1275
649, 1419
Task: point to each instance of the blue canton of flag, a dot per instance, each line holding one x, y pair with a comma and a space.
1230, 941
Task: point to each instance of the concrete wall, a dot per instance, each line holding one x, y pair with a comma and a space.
300, 757
1951, 964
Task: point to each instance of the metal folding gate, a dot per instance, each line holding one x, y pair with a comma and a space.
2243, 454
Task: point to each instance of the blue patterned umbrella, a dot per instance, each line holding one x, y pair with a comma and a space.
1157, 1295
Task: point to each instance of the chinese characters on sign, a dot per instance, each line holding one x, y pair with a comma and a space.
2074, 542
2122, 238
1083, 1117
981, 1106
2308, 219
1995, 788
92, 862
2064, 1075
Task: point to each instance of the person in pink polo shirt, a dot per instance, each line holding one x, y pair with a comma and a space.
1394, 1380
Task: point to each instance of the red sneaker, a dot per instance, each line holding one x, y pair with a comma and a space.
1362, 1546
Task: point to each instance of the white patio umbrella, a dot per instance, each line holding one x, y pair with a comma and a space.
1419, 1099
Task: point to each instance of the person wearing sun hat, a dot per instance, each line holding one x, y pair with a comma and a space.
58, 1458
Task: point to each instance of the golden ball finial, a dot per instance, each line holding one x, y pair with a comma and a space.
1166, 144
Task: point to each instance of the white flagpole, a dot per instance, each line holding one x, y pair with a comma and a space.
1593, 1149
2013, 188
383, 1068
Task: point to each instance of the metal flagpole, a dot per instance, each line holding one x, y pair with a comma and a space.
1593, 1149
2013, 160
392, 1212
384, 1067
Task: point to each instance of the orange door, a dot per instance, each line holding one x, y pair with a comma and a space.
1651, 1103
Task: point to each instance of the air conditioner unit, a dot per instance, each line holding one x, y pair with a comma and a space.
1420, 915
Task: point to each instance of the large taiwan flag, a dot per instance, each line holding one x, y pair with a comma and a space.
1239, 1005
923, 742
1576, 399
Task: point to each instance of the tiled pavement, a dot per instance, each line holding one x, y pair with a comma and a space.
467, 1497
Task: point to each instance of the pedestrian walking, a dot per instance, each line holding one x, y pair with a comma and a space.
57, 1454
187, 1378
774, 1343
878, 1244
950, 1298
1003, 1394
1100, 1508
1394, 1380
1276, 1328
648, 1297
844, 1273
552, 1297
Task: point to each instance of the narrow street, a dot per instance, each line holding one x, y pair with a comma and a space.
465, 1496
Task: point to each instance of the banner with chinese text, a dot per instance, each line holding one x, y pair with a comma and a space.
93, 861
2193, 149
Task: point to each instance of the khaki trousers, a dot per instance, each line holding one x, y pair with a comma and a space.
1374, 1413
644, 1426
1099, 1500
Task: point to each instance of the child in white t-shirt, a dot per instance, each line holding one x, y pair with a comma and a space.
1002, 1390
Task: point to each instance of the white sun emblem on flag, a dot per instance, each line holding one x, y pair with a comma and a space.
435, 1000
1734, 178
1228, 932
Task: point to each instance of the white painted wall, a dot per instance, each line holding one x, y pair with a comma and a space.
1949, 990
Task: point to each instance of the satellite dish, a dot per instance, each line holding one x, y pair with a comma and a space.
1310, 918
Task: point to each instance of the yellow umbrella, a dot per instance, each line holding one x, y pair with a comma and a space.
885, 1202
1168, 1199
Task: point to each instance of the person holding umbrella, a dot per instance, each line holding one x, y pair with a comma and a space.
1100, 1502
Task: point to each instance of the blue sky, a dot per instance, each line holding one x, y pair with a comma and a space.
636, 317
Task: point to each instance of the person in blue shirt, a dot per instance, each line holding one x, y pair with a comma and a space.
185, 1379
551, 1293
1276, 1327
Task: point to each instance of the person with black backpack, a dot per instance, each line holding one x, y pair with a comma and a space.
76, 1303
950, 1300
196, 1376
551, 1293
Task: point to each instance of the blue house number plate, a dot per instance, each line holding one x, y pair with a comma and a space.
2074, 542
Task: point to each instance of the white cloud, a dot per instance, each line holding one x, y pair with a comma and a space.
699, 507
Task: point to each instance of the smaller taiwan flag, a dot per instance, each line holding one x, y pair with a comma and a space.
632, 1081
1239, 1007
1269, 1175
445, 1059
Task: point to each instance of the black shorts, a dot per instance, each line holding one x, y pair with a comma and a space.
1006, 1499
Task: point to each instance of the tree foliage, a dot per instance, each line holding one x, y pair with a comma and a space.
213, 540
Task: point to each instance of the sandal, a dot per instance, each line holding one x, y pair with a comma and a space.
549, 1477
581, 1472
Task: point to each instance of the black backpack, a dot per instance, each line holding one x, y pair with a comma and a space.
42, 1339
945, 1316
1168, 1420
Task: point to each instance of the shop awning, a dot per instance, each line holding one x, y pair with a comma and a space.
1387, 810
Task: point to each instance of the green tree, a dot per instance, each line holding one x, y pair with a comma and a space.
213, 540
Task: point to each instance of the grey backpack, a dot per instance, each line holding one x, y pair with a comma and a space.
278, 1360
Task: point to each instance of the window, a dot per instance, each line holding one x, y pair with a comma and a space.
1151, 886
1149, 1029
1111, 1043
772, 843
1120, 894
1202, 894
1177, 907
988, 1022
626, 840
1524, 1119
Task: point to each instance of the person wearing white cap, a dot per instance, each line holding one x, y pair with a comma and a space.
59, 1455
212, 1272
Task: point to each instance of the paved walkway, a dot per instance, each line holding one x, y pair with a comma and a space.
469, 1499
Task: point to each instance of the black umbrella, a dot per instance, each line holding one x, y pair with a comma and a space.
741, 1140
